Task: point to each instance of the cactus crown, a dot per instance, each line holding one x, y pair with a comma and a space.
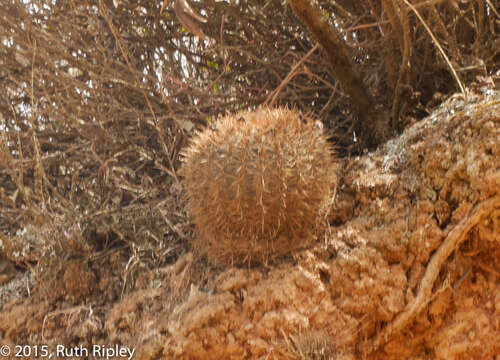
257, 184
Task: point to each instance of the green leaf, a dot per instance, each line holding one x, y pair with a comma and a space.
213, 64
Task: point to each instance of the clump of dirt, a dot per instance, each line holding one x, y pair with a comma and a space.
408, 268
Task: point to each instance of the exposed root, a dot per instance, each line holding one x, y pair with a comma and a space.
455, 237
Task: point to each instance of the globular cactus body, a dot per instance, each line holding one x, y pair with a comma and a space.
258, 184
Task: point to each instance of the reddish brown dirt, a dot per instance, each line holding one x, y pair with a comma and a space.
408, 268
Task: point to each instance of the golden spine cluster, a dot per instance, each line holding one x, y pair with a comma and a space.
258, 184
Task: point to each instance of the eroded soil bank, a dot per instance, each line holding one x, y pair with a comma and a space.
407, 268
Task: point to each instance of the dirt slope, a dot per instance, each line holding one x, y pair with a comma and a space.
408, 268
